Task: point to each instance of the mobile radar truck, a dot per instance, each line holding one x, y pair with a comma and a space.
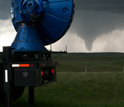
27, 62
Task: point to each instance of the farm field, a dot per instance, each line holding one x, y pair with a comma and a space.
91, 62
83, 80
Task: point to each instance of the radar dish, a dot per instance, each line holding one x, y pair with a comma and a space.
55, 20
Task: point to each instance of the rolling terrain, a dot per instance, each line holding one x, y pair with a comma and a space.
83, 80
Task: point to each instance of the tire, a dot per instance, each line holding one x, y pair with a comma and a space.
15, 94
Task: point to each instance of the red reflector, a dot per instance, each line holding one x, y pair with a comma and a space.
52, 71
41, 73
24, 65
32, 65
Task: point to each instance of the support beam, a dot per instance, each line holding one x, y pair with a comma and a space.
7, 75
31, 95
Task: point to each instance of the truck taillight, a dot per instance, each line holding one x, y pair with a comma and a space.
41, 73
52, 71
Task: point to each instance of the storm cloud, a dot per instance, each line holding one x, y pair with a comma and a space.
116, 6
5, 9
92, 20
96, 17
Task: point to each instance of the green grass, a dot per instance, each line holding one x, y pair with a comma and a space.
79, 90
91, 62
101, 86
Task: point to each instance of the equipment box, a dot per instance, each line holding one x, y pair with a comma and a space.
36, 74
25, 77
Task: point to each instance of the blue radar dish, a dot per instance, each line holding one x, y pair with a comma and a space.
51, 18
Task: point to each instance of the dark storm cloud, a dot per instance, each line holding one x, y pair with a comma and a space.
96, 17
5, 9
101, 5
92, 17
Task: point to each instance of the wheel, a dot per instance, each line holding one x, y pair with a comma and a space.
16, 93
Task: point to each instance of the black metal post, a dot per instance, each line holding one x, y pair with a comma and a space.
6, 75
31, 95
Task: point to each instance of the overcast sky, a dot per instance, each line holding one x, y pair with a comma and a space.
98, 26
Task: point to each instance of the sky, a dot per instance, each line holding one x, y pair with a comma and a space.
98, 26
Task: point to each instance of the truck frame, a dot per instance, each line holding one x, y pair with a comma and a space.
24, 68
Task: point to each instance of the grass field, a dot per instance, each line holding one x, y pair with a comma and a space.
83, 80
91, 62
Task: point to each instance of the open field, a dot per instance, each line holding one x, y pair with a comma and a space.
91, 62
79, 90
83, 80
